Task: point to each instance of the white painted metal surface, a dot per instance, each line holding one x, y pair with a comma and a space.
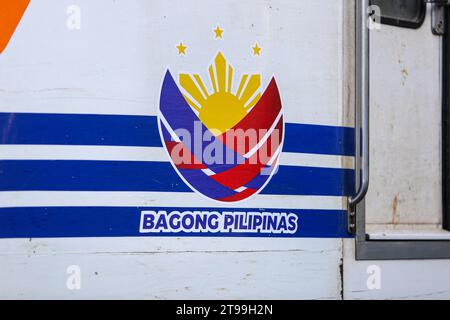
414, 279
114, 65
139, 268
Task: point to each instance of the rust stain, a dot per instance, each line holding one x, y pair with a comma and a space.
405, 72
405, 75
394, 210
246, 276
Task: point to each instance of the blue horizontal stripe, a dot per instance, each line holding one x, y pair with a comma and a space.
123, 130
79, 129
315, 139
311, 181
74, 175
53, 222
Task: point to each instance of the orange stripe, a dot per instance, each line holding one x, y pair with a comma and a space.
11, 11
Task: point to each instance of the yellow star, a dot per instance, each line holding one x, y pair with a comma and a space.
181, 49
256, 50
218, 32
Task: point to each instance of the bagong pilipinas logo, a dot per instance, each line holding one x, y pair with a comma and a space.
225, 145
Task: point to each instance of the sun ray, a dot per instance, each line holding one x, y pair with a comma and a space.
201, 85
254, 101
221, 110
221, 69
213, 78
252, 86
230, 78
191, 103
241, 85
189, 85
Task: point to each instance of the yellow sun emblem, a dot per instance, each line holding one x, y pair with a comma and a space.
222, 109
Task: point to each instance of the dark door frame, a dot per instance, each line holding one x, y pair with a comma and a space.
446, 122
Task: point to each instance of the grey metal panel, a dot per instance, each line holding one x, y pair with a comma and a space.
401, 250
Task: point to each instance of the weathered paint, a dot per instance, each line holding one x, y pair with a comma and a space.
110, 66
173, 268
114, 65
414, 279
405, 127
